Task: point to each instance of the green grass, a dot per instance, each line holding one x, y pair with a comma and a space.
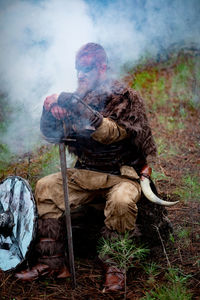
159, 94
161, 146
166, 149
50, 162
121, 251
190, 188
5, 157
186, 82
171, 123
144, 80
154, 86
152, 270
182, 84
158, 176
174, 289
181, 237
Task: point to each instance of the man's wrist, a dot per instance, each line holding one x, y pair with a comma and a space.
64, 100
96, 119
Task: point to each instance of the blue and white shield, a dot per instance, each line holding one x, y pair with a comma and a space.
18, 220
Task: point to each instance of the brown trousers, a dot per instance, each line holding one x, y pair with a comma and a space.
121, 194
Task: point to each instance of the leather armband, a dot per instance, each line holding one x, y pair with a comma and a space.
63, 98
145, 172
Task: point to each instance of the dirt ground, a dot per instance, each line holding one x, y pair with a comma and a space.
182, 250
181, 254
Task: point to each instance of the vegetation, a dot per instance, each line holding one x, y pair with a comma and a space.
121, 251
174, 289
190, 189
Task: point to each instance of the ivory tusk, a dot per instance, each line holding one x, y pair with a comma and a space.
146, 189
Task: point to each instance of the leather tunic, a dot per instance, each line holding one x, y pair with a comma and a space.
95, 156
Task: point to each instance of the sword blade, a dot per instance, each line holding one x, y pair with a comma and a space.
63, 164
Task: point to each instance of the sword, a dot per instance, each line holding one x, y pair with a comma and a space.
63, 164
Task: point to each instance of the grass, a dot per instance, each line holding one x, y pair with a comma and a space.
47, 162
186, 81
5, 157
121, 252
50, 162
154, 86
156, 175
181, 237
166, 149
171, 123
5, 112
181, 83
174, 289
152, 270
190, 188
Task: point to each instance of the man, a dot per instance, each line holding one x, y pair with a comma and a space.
104, 124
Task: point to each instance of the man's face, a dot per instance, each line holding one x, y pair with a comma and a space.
88, 74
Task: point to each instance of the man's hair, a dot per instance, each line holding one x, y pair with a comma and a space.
94, 50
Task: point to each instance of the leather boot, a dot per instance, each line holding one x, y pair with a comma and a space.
49, 252
114, 279
114, 276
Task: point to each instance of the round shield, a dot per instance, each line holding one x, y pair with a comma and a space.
18, 209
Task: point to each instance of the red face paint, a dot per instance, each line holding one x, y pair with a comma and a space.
88, 74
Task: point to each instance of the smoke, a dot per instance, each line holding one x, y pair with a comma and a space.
38, 44
39, 40
129, 29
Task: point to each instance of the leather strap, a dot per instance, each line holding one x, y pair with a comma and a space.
52, 256
145, 172
47, 240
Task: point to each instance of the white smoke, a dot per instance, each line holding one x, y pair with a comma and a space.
39, 39
38, 45
128, 29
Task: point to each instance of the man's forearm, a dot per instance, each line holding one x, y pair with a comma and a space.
109, 132
51, 128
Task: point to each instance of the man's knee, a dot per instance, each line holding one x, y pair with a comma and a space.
121, 208
125, 193
47, 183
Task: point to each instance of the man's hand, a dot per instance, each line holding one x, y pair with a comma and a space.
80, 111
49, 101
50, 104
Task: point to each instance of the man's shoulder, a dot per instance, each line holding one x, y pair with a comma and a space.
120, 87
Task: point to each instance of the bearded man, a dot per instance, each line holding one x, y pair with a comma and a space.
105, 125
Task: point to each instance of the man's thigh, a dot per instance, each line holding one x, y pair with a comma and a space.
83, 187
49, 191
